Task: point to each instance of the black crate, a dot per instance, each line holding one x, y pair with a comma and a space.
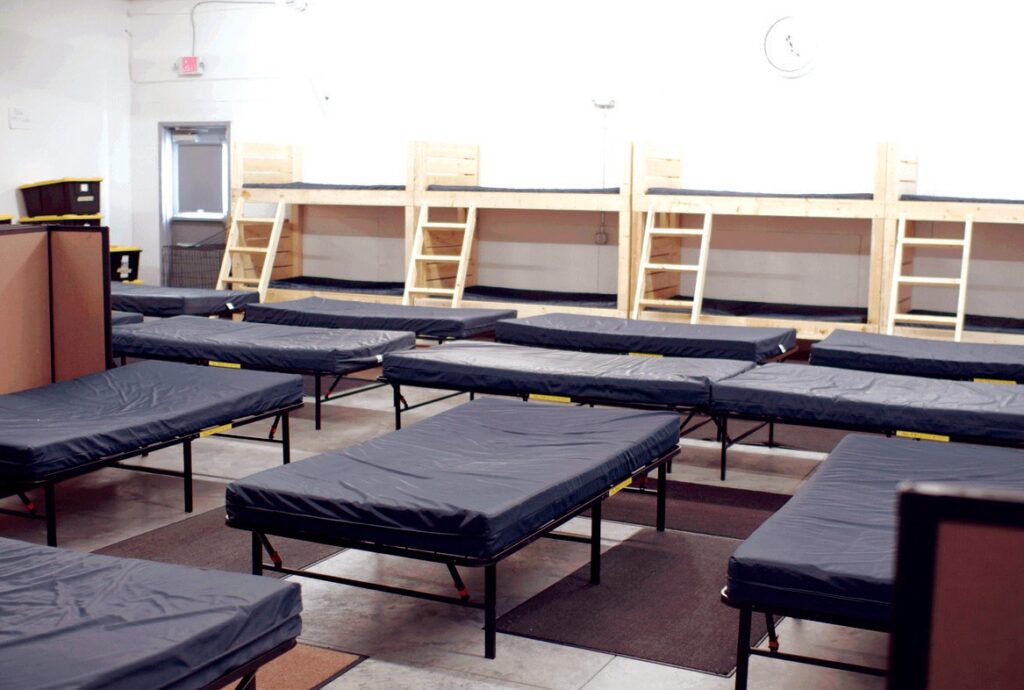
124, 263
70, 195
194, 266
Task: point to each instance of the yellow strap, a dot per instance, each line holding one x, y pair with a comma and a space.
922, 436
225, 365
550, 398
215, 430
644, 354
619, 487
63, 179
1000, 381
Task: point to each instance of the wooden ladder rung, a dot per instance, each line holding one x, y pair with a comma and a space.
430, 291
924, 280
931, 242
440, 258
678, 303
266, 221
248, 250
925, 318
676, 232
682, 268
444, 226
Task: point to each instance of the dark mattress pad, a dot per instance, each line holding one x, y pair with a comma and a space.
81, 620
612, 334
516, 370
154, 300
864, 399
120, 318
431, 322
831, 550
469, 482
259, 345
57, 427
919, 357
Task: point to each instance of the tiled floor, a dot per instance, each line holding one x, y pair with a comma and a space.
416, 644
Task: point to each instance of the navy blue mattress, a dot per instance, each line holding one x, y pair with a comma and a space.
64, 425
864, 399
322, 185
831, 550
81, 620
363, 287
430, 322
120, 318
522, 190
519, 370
468, 482
154, 300
259, 345
493, 293
919, 357
671, 191
615, 335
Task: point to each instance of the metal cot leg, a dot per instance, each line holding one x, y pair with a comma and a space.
317, 406
724, 427
257, 554
595, 543
490, 606
49, 495
397, 396
286, 440
186, 451
743, 649
662, 496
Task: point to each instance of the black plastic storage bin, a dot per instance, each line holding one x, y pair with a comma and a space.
69, 195
124, 263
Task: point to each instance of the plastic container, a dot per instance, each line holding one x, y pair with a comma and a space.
124, 263
68, 195
68, 219
6, 220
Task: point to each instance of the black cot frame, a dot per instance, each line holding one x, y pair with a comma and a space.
261, 543
48, 483
246, 673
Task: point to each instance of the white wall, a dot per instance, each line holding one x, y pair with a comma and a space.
65, 64
355, 82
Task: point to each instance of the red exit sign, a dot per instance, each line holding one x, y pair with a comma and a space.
189, 66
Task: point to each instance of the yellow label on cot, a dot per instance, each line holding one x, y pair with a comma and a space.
550, 398
619, 487
215, 430
226, 365
1004, 381
644, 354
922, 436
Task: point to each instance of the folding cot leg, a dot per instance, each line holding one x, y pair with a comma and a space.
460, 585
773, 636
257, 554
273, 427
723, 429
771, 434
247, 682
743, 649
397, 397
186, 451
490, 606
595, 543
286, 440
472, 395
27, 502
662, 496
49, 494
316, 405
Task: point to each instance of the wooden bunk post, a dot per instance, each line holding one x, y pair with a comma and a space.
625, 233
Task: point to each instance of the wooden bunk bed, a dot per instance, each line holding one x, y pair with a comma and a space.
672, 223
266, 175
451, 211
921, 228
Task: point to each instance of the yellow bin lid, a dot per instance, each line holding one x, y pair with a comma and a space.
57, 219
124, 248
63, 179
6, 217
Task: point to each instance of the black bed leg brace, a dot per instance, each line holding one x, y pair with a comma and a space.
490, 606
595, 543
257, 554
743, 649
49, 495
186, 451
723, 428
316, 406
460, 586
773, 636
662, 496
286, 440
397, 396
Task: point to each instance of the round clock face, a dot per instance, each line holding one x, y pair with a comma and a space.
788, 48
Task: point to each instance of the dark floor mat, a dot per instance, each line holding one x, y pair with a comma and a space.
680, 573
204, 541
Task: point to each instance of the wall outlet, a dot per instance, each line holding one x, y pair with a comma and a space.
18, 118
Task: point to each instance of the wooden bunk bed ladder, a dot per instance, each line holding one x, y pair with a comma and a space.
650, 267
960, 283
242, 267
430, 273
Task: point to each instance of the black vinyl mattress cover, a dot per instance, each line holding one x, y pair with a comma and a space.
522, 190
367, 287
870, 400
154, 300
324, 185
63, 425
81, 620
617, 335
831, 549
121, 318
517, 370
260, 345
468, 482
433, 322
919, 356
959, 199
672, 191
